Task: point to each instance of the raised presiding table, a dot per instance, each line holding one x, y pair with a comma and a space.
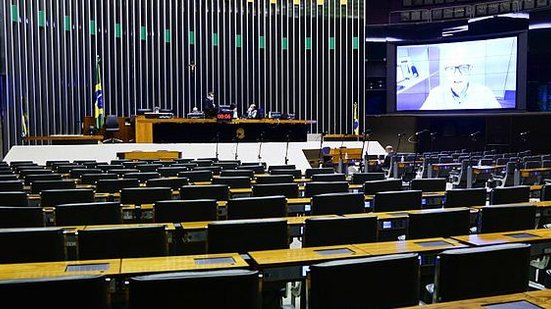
184, 130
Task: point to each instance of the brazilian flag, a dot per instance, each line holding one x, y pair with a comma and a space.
99, 114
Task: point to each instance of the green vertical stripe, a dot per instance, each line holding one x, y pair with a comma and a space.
331, 43
238, 41
308, 43
262, 42
41, 19
118, 30
168, 36
355, 42
92, 27
143, 33
191, 38
14, 12
67, 23
284, 43
215, 40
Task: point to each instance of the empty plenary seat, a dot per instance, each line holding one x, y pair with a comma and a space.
282, 167
397, 200
438, 223
481, 272
177, 211
360, 178
329, 177
233, 181
339, 230
195, 192
338, 203
309, 172
268, 179
315, 188
374, 186
174, 182
429, 184
11, 185
21, 216
14, 198
257, 207
78, 291
91, 179
465, 197
502, 218
171, 171
240, 172
197, 176
38, 186
26, 245
54, 197
509, 195
257, 169
115, 185
335, 284
142, 176
145, 195
231, 288
93, 213
289, 190
297, 174
29, 179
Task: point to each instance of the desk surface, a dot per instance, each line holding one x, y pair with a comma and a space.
64, 138
505, 237
410, 246
56, 269
301, 256
202, 225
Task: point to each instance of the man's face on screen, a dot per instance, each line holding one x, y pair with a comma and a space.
457, 74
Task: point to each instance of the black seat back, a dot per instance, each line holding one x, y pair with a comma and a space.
14, 198
360, 178
438, 223
509, 195
21, 217
492, 219
115, 185
397, 200
54, 197
93, 213
257, 207
465, 197
38, 186
337, 203
339, 231
429, 184
315, 188
177, 211
289, 190
375, 186
26, 245
194, 192
145, 195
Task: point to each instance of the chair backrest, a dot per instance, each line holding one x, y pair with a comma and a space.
289, 190
54, 197
393, 282
232, 288
360, 178
438, 223
509, 195
429, 184
195, 192
142, 176
214, 169
233, 181
29, 179
282, 167
257, 169
171, 171
196, 176
309, 172
14, 198
297, 174
80, 291
174, 182
177, 211
122, 242
492, 219
11, 185
115, 185
145, 195
545, 193
339, 230
112, 123
315, 188
150, 167
91, 179
337, 203
247, 235
329, 177
375, 186
465, 197
26, 245
239, 173
93, 213
257, 207
269, 179
38, 186
481, 272
77, 172
397, 200
21, 217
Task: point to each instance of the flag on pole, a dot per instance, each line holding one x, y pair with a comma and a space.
356, 125
98, 98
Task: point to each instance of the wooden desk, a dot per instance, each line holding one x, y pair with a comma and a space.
410, 246
150, 155
541, 298
530, 236
527, 172
57, 269
66, 139
345, 154
181, 263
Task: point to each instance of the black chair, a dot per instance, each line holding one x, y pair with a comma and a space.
481, 272
297, 174
492, 219
174, 182
269, 179
257, 169
315, 188
122, 242
281, 167
465, 197
214, 169
429, 184
397, 200
309, 172
195, 192
235, 288
94, 213
142, 176
240, 173
177, 211
14, 198
289, 190
77, 172
510, 195
26, 245
247, 235
91, 179
507, 179
115, 185
170, 171
145, 195
337, 203
54, 197
438, 223
8, 176
11, 185
38, 186
329, 177
150, 167
233, 181
360, 178
257, 207
393, 282
197, 176
29, 179
21, 217
111, 127
339, 231
66, 168
545, 194
78, 291
374, 186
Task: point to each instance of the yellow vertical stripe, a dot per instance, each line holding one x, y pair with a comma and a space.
321, 2
344, 2
250, 1
273, 1
296, 2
